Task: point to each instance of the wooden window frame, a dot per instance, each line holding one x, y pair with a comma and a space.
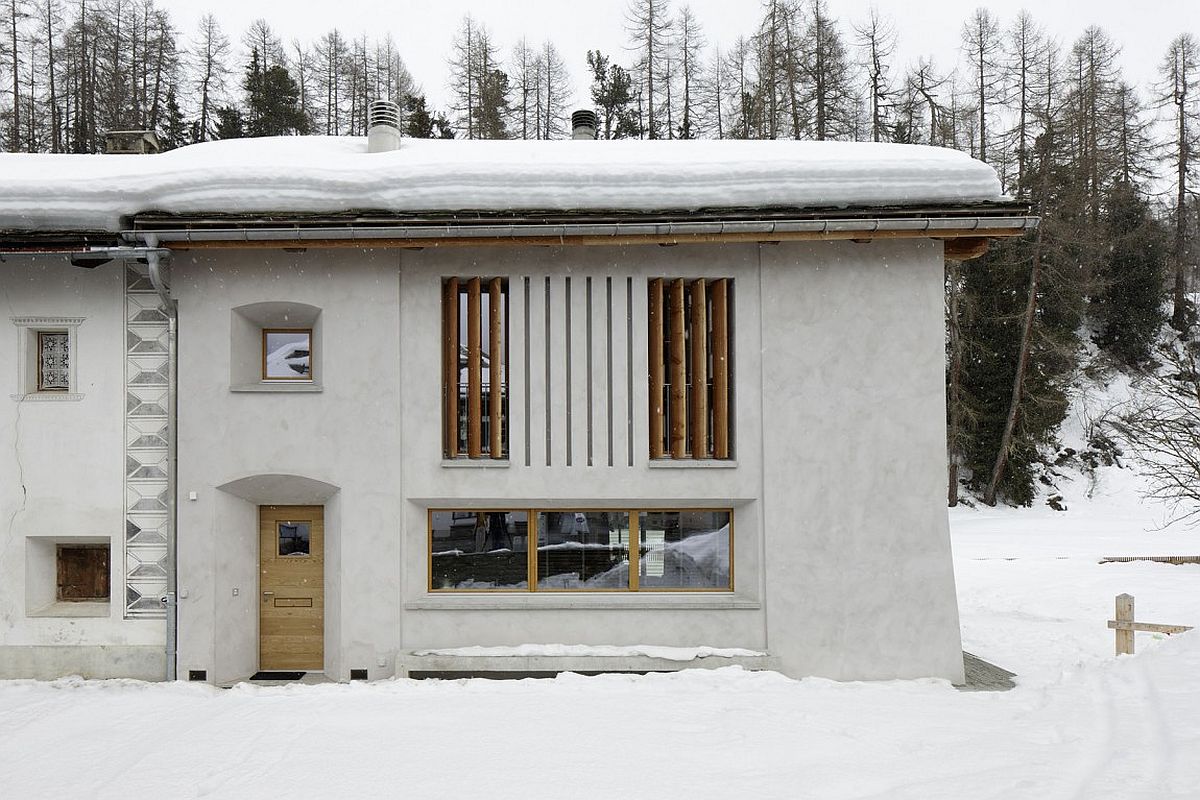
312, 369
532, 536
463, 412
61, 567
41, 386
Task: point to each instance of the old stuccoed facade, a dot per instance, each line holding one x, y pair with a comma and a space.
840, 548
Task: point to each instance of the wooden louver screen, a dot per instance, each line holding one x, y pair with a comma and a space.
688, 355
474, 379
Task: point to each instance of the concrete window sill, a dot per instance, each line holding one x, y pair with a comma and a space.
669, 463
279, 387
81, 609
475, 463
528, 601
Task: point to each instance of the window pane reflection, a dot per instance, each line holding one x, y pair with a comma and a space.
583, 549
480, 550
287, 354
293, 539
684, 550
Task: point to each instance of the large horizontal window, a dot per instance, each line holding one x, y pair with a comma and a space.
547, 550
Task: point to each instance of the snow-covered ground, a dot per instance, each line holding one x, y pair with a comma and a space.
1034, 598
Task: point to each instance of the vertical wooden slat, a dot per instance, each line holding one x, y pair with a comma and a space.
474, 371
656, 368
699, 371
495, 372
531, 544
678, 372
720, 362
450, 374
635, 551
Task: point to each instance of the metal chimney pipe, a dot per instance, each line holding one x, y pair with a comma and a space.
383, 126
584, 124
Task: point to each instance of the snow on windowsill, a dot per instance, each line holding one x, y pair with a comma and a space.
594, 651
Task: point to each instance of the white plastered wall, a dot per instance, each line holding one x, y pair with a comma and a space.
333, 444
842, 561
61, 480
860, 572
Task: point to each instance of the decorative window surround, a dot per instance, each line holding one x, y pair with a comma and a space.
28, 355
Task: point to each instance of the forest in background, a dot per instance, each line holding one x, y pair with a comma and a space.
1109, 167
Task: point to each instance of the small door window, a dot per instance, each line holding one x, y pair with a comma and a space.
293, 538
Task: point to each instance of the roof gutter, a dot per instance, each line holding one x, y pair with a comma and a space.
683, 232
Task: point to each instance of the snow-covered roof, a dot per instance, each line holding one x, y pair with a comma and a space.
321, 175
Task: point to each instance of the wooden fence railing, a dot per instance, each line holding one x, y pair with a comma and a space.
1125, 626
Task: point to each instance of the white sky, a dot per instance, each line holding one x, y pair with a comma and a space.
423, 30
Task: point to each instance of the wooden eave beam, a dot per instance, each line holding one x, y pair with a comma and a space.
965, 248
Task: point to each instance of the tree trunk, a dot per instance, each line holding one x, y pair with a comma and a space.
1179, 315
955, 421
1014, 407
15, 137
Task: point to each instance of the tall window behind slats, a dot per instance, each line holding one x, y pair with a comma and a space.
475, 368
689, 363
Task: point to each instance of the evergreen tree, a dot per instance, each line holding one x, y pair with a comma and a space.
175, 127
422, 124
492, 111
272, 101
1023, 306
230, 123
612, 92
1128, 304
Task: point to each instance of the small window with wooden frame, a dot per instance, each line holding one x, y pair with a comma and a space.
475, 368
287, 354
690, 364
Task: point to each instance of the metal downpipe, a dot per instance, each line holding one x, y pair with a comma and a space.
169, 599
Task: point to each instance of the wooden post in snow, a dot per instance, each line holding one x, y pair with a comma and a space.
1125, 614
1125, 626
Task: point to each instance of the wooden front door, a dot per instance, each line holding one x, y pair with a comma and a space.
291, 585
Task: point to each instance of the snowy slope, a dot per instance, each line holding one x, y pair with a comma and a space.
333, 174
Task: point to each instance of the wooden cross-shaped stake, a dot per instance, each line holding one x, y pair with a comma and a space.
1125, 626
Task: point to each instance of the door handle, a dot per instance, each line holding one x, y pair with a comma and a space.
267, 594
